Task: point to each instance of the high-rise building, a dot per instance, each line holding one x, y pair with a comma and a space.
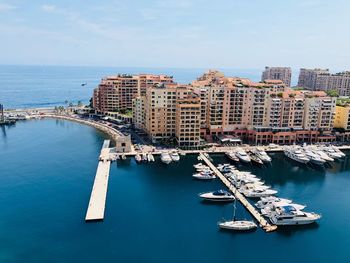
278, 73
115, 93
322, 79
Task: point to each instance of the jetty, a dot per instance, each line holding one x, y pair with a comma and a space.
262, 221
97, 203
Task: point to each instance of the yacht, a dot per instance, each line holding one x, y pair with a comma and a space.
262, 155
237, 225
138, 158
296, 155
150, 157
199, 165
269, 209
288, 215
165, 157
204, 175
255, 159
322, 154
264, 201
314, 158
259, 192
332, 153
144, 157
242, 156
225, 168
175, 156
218, 196
338, 151
232, 156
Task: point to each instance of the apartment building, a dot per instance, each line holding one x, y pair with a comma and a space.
322, 79
115, 93
342, 117
169, 112
278, 73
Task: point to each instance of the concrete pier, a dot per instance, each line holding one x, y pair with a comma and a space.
262, 222
98, 196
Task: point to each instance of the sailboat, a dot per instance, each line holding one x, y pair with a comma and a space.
237, 225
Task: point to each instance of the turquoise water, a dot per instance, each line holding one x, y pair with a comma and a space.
153, 213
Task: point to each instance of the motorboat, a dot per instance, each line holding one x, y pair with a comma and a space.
165, 157
150, 157
204, 176
225, 168
199, 165
322, 154
270, 208
264, 201
255, 159
232, 156
336, 149
296, 154
237, 225
218, 196
332, 153
175, 156
259, 192
242, 156
144, 157
314, 158
262, 155
288, 215
138, 158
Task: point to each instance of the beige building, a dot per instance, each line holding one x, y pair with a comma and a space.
115, 93
278, 73
342, 117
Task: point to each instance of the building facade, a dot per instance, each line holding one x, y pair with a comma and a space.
116, 93
278, 73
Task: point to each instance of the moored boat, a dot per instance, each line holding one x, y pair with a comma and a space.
165, 158
218, 196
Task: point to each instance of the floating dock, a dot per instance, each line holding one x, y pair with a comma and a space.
97, 203
262, 222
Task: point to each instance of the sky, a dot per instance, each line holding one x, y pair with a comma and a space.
179, 33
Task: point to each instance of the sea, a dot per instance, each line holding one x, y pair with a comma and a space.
153, 212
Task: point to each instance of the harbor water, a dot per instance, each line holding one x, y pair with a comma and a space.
153, 213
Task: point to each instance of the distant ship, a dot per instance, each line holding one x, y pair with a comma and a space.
83, 84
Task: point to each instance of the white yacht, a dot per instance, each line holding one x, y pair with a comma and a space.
204, 175
150, 157
262, 155
322, 154
259, 192
332, 153
199, 165
165, 157
270, 208
242, 156
288, 215
144, 157
175, 156
296, 154
314, 158
218, 196
335, 148
138, 158
264, 201
232, 156
237, 225
225, 168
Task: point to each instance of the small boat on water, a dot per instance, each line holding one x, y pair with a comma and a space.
217, 196
232, 156
264, 201
144, 157
165, 158
242, 156
237, 225
123, 157
138, 158
314, 158
175, 156
296, 154
208, 175
288, 215
199, 165
255, 159
262, 155
150, 157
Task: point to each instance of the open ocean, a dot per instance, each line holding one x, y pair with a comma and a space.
49, 86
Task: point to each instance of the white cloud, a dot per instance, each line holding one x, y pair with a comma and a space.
48, 8
6, 7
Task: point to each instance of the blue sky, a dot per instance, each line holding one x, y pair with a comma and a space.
181, 33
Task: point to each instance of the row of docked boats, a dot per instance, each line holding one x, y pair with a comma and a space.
168, 157
256, 156
318, 155
278, 210
203, 172
144, 158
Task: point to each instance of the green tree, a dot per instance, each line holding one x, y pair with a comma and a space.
332, 93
